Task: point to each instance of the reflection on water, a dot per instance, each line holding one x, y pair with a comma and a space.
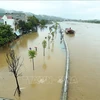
40, 84
71, 35
52, 48
49, 54
44, 66
84, 50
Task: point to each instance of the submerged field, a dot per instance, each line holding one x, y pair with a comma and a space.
44, 83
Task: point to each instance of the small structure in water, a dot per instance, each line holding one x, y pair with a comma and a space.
17, 33
69, 31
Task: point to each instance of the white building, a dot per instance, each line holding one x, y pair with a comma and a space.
9, 21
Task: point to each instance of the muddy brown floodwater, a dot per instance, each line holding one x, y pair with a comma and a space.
45, 82
84, 47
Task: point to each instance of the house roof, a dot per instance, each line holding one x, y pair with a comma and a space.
0, 17
9, 17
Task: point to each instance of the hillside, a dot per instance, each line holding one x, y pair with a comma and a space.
46, 17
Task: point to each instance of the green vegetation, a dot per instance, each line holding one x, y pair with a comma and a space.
52, 33
49, 37
32, 55
53, 29
32, 24
44, 44
6, 34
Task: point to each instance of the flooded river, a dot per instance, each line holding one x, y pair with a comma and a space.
45, 82
84, 47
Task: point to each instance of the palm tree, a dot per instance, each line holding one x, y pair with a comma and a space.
32, 54
49, 41
50, 29
52, 33
44, 44
56, 26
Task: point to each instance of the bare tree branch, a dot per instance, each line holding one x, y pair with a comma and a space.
14, 67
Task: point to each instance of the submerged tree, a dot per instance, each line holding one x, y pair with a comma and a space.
14, 67
32, 55
34, 22
44, 44
50, 29
42, 27
49, 41
52, 33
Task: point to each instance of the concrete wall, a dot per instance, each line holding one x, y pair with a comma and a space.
11, 22
64, 95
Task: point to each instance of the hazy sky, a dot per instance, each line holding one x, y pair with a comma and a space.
73, 9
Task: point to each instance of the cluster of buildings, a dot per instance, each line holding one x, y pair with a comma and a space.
11, 19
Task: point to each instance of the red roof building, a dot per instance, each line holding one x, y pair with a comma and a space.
9, 17
0, 17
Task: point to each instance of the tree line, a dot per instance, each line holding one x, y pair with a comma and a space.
6, 34
32, 24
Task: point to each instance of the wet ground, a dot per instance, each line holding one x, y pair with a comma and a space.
45, 82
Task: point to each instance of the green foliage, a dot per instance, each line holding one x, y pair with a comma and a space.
34, 22
21, 24
32, 54
50, 29
43, 22
56, 25
49, 37
31, 24
42, 26
6, 34
52, 33
44, 43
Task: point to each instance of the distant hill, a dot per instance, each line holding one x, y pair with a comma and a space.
46, 17
2, 10
54, 18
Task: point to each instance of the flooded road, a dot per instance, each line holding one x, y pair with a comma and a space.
44, 83
84, 47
